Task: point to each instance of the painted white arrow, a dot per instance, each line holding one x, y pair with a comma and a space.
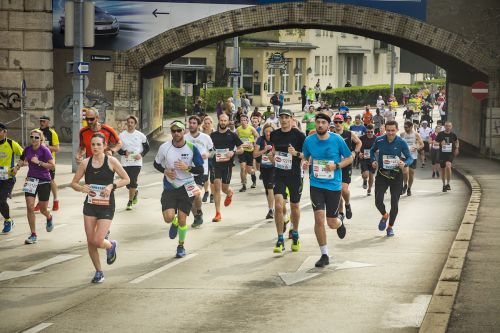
7, 275
304, 271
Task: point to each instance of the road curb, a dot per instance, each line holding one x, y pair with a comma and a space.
439, 311
61, 186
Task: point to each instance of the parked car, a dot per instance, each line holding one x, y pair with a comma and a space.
105, 24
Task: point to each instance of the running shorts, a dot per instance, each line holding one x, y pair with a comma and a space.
445, 157
176, 199
246, 157
294, 184
43, 192
267, 177
321, 197
366, 165
346, 174
133, 174
223, 172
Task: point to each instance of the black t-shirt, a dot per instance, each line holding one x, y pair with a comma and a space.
367, 143
226, 140
447, 138
408, 114
347, 136
281, 140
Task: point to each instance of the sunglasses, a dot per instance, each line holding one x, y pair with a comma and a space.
176, 130
338, 122
34, 137
90, 119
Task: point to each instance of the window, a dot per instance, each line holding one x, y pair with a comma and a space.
271, 77
375, 63
330, 65
365, 64
354, 65
317, 62
246, 79
298, 73
284, 80
181, 61
197, 61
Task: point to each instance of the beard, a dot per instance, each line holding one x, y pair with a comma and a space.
321, 132
222, 126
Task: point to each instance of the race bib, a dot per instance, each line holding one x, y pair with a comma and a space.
320, 171
95, 196
435, 145
413, 152
358, 133
283, 160
447, 148
131, 157
266, 160
192, 189
30, 185
390, 162
246, 142
222, 155
366, 153
4, 173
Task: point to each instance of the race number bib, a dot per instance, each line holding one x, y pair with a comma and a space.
30, 185
435, 145
192, 189
366, 153
283, 160
266, 160
131, 157
358, 133
390, 162
413, 152
246, 142
320, 171
222, 155
95, 196
447, 148
4, 173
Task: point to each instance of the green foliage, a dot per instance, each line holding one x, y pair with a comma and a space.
438, 82
216, 94
363, 95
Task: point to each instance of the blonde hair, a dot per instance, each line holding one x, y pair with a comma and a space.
39, 131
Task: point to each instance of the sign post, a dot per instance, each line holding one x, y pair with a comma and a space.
23, 98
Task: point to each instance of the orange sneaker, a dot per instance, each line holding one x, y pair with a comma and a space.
37, 207
217, 217
55, 205
228, 200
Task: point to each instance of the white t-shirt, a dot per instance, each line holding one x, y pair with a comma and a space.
380, 103
204, 144
132, 142
424, 133
274, 121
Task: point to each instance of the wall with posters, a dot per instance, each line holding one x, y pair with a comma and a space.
152, 104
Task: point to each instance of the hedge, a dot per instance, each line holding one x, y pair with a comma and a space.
438, 82
363, 95
173, 102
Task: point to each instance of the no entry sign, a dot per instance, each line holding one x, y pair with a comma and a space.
480, 90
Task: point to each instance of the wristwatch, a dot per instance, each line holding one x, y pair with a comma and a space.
114, 186
337, 166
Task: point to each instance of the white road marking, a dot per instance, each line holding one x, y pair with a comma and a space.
57, 226
407, 314
150, 185
7, 275
163, 268
7, 240
253, 227
305, 205
38, 328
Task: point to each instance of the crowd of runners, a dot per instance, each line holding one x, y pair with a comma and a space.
198, 161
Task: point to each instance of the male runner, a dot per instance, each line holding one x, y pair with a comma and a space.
52, 142
205, 145
424, 131
449, 149
135, 147
350, 139
329, 153
247, 134
178, 160
287, 156
225, 143
8, 170
367, 171
415, 143
391, 148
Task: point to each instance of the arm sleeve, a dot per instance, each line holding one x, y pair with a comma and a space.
158, 161
197, 169
158, 167
145, 148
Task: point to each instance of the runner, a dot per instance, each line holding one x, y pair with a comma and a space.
135, 147
287, 155
178, 160
328, 153
391, 149
435, 147
8, 149
367, 171
263, 149
308, 119
113, 143
424, 131
351, 140
414, 142
205, 145
51, 142
39, 160
225, 143
99, 206
208, 128
247, 135
449, 145
358, 129
378, 121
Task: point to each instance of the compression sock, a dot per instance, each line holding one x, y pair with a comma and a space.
182, 234
280, 238
295, 234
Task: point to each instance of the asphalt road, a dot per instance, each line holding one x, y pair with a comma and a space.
231, 281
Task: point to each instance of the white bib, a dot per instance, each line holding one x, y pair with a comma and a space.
30, 185
4, 173
320, 171
131, 157
192, 189
266, 160
95, 196
447, 148
221, 155
390, 162
366, 153
283, 160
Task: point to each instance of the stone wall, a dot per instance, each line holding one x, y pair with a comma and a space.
26, 52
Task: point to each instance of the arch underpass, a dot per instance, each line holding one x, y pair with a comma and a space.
465, 60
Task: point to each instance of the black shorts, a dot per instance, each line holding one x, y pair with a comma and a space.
267, 177
52, 174
416, 121
294, 184
6, 187
43, 192
346, 174
445, 157
366, 165
223, 172
321, 197
201, 180
426, 146
246, 157
133, 174
100, 212
211, 171
434, 156
176, 199
258, 159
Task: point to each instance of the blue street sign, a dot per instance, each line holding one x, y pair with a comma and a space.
83, 67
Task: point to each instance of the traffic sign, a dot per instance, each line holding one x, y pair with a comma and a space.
480, 90
234, 73
83, 67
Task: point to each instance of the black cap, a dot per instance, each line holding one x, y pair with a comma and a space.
286, 112
44, 118
3, 126
323, 116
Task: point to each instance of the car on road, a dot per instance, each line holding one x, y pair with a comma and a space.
105, 24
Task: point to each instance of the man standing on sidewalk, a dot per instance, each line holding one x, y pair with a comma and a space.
135, 147
8, 171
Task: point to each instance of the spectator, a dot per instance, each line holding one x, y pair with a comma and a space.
282, 99
219, 108
317, 91
303, 96
348, 84
329, 86
275, 102
198, 108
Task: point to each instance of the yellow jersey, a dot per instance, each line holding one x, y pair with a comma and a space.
246, 136
8, 149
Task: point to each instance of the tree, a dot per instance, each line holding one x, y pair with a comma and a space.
220, 65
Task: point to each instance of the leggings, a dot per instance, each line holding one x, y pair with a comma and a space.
4, 209
381, 185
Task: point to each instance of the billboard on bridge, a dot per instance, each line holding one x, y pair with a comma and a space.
123, 24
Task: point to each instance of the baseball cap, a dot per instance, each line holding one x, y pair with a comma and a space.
3, 126
44, 118
338, 117
358, 116
286, 112
178, 124
324, 116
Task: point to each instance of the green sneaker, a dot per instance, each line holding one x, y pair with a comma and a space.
296, 245
135, 200
129, 205
279, 248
